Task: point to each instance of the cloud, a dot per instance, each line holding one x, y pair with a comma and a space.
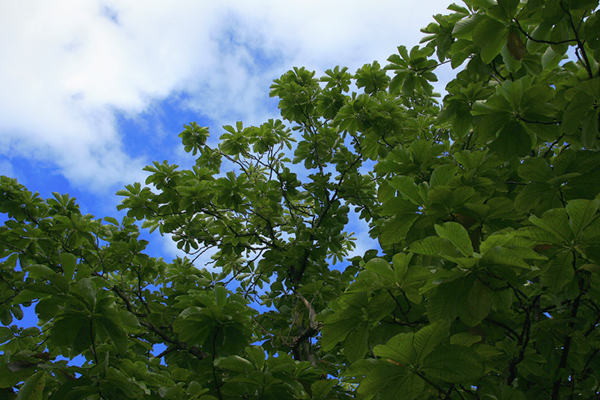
69, 67
6, 168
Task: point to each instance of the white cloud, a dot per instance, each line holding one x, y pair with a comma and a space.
6, 168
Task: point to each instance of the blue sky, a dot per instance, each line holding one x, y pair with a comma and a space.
92, 91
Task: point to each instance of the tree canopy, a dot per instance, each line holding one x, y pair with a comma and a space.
485, 205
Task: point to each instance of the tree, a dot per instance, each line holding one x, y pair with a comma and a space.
485, 205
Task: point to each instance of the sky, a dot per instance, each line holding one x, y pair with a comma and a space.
92, 91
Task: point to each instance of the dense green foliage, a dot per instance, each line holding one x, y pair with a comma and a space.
487, 283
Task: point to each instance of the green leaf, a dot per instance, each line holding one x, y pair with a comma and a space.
429, 337
400, 349
535, 193
356, 344
235, 364
394, 230
88, 288
479, 301
27, 295
453, 364
39, 271
158, 379
442, 304
442, 175
435, 246
256, 354
513, 140
408, 386
555, 221
68, 327
407, 188
464, 339
220, 296
333, 333
581, 105
129, 320
589, 128
33, 389
75, 389
491, 36
385, 192
509, 7
68, 262
115, 332
320, 389
392, 382
581, 213
400, 263
457, 235
558, 272
499, 255
463, 120
536, 169
47, 308
380, 267
511, 393
463, 29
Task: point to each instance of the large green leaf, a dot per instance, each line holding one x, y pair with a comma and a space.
356, 344
256, 354
333, 333
320, 389
509, 7
380, 267
490, 48
408, 386
443, 174
400, 263
555, 221
9, 378
235, 364
499, 255
114, 331
536, 169
558, 272
457, 235
400, 349
394, 230
220, 296
427, 338
479, 303
435, 246
391, 382
574, 115
454, 364
33, 389
70, 327
513, 140
463, 29
537, 194
75, 389
88, 288
442, 304
581, 213
69, 263
407, 188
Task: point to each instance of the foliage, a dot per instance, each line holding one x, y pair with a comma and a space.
487, 284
